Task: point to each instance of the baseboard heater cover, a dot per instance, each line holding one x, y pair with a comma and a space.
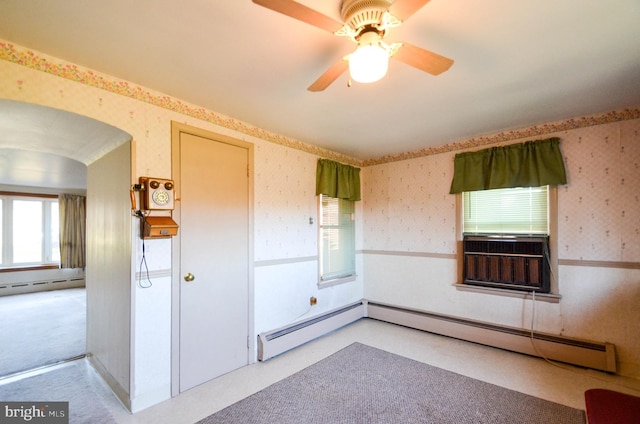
278, 341
37, 286
589, 354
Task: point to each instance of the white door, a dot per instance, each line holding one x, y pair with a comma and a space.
214, 258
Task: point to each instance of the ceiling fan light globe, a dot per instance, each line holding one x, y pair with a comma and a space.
369, 63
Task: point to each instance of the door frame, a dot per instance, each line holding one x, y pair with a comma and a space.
177, 129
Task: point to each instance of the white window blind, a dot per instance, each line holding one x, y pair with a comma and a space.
522, 210
337, 238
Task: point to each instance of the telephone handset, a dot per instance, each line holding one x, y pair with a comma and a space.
132, 194
157, 193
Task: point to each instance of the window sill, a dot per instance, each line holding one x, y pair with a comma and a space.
543, 297
29, 268
336, 281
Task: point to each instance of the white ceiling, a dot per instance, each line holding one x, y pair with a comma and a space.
50, 148
517, 63
44, 129
24, 168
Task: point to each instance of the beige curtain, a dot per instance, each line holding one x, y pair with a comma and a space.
72, 231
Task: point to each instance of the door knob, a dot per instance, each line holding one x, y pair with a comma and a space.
189, 277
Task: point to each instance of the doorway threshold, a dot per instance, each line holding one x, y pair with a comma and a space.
21, 375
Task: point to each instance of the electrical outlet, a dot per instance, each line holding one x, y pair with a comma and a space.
313, 301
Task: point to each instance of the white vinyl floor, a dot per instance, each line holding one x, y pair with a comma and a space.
555, 382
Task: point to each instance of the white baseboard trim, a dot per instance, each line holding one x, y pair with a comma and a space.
121, 394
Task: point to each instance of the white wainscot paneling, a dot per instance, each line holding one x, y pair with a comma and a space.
282, 293
411, 281
426, 284
602, 304
157, 252
152, 343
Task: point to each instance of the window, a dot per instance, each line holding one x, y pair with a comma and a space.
508, 238
522, 210
29, 231
337, 239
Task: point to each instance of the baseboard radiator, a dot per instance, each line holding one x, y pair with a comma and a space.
275, 342
585, 353
595, 355
38, 286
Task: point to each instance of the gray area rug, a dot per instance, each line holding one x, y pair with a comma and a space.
68, 384
38, 329
361, 384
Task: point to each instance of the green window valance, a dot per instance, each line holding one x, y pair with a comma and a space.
529, 164
335, 179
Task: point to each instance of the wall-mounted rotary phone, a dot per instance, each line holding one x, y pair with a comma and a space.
157, 193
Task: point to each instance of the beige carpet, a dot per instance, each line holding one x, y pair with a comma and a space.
38, 329
362, 384
70, 383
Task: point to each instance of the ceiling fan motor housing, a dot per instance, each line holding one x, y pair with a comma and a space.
366, 23
362, 13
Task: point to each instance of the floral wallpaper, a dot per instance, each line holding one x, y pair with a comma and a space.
407, 207
406, 204
533, 132
407, 213
599, 208
284, 203
44, 63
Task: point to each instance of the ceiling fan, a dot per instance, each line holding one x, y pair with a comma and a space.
366, 22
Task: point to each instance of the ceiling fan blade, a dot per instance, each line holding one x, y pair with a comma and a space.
330, 76
302, 13
422, 59
403, 9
